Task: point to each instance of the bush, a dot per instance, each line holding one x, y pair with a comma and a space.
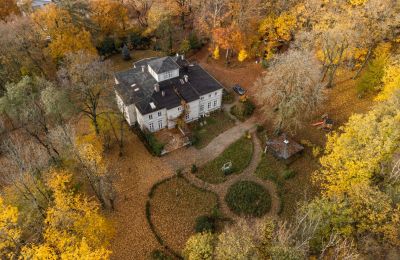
288, 174
137, 41
248, 198
194, 168
149, 140
159, 255
260, 128
243, 110
194, 42
228, 97
107, 46
205, 224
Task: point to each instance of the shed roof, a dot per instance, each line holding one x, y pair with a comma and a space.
284, 147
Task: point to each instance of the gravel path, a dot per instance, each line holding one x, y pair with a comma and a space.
221, 189
185, 157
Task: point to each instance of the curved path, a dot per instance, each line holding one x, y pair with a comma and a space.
221, 189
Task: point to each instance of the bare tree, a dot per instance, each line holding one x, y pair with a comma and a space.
139, 9
291, 87
89, 81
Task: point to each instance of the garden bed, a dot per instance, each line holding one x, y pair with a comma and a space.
246, 198
174, 207
239, 153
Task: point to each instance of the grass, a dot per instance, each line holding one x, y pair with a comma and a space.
216, 124
175, 206
248, 198
239, 153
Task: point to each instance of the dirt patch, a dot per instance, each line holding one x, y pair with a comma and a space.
137, 171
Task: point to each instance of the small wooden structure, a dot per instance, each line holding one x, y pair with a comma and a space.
284, 148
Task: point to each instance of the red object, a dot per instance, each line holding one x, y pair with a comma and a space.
318, 123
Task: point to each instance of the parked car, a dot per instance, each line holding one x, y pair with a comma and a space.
239, 90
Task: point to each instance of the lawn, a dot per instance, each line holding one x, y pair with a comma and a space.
239, 153
175, 206
216, 124
248, 199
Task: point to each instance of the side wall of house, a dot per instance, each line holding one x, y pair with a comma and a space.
210, 102
154, 121
129, 112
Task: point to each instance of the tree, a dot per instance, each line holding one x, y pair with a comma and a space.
21, 51
57, 24
7, 8
139, 9
109, 16
22, 103
9, 230
291, 87
88, 81
390, 80
200, 247
73, 226
125, 53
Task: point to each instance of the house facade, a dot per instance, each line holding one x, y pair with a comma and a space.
157, 92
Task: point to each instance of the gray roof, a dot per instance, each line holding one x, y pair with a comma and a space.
164, 64
138, 87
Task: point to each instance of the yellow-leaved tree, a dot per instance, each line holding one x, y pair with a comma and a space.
73, 228
10, 233
57, 24
391, 79
110, 16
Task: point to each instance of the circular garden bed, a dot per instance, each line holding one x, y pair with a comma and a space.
248, 198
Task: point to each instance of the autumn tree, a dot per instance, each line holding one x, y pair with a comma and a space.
21, 51
139, 10
88, 80
65, 36
109, 16
7, 8
73, 226
9, 230
200, 246
291, 87
390, 80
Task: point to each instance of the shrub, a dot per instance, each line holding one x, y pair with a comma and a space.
155, 146
194, 42
316, 151
159, 255
138, 41
260, 128
107, 46
184, 47
194, 168
288, 174
248, 198
243, 110
228, 97
205, 224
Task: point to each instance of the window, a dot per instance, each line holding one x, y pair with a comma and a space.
187, 116
209, 105
160, 124
179, 108
151, 127
201, 107
202, 98
215, 103
168, 75
216, 93
159, 113
150, 116
209, 95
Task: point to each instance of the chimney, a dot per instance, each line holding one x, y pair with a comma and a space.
143, 67
163, 93
285, 147
156, 87
186, 77
183, 56
177, 54
134, 66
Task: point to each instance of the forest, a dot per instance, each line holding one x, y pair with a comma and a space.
77, 182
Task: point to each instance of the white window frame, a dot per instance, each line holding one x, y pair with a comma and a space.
160, 124
151, 126
209, 105
150, 116
159, 113
215, 103
201, 107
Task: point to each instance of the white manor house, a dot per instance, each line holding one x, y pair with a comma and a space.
153, 92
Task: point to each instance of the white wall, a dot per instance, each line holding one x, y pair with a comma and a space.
163, 76
213, 98
159, 121
129, 112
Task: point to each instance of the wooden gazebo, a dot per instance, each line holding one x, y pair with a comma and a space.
284, 148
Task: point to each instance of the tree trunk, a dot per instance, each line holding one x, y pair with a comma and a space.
364, 63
